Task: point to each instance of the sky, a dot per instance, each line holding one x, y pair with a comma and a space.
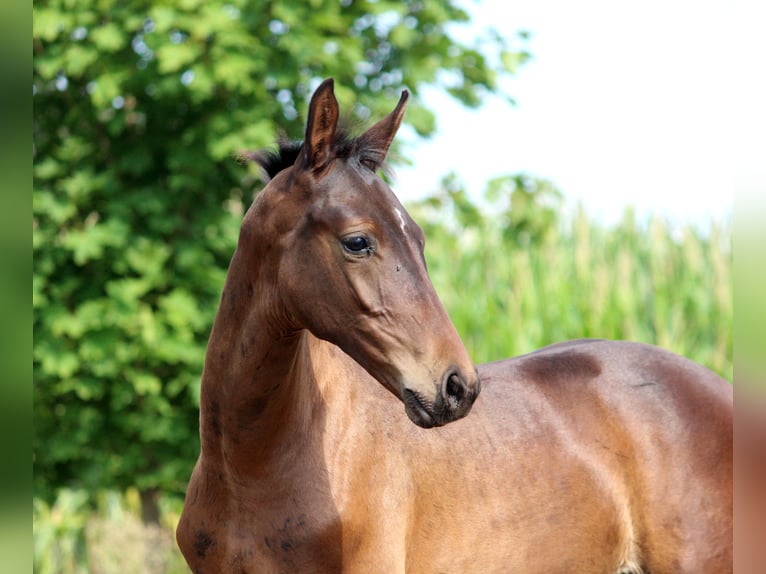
621, 104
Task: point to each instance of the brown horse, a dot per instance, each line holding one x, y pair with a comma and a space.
583, 457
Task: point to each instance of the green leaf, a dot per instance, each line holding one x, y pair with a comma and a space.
146, 384
79, 60
105, 89
108, 38
422, 119
174, 57
180, 309
48, 23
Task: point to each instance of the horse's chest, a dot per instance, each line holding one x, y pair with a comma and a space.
304, 540
283, 527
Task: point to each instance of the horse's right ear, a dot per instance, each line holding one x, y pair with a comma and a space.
321, 126
378, 138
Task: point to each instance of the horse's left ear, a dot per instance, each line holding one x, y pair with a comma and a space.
380, 136
321, 126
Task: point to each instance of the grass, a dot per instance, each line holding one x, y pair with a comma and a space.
651, 283
73, 537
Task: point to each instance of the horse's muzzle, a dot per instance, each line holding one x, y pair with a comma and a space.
453, 401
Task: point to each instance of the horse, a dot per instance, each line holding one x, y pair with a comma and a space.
586, 456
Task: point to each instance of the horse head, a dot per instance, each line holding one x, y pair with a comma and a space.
347, 264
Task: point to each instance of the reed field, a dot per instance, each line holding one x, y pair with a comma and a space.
652, 282
512, 281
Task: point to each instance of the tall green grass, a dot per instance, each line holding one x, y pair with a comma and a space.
73, 537
510, 290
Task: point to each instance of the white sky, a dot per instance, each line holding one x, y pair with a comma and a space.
622, 103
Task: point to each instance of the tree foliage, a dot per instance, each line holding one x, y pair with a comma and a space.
139, 107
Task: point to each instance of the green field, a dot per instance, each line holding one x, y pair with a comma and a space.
522, 278
512, 281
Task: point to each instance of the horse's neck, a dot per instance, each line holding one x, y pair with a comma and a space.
263, 393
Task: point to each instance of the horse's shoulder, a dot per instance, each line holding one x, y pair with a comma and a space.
576, 358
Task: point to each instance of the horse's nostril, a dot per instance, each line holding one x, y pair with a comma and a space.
455, 389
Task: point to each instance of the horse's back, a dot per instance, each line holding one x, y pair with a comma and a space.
657, 424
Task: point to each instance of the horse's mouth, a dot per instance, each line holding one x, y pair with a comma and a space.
418, 411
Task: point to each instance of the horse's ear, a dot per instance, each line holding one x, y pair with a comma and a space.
380, 136
321, 126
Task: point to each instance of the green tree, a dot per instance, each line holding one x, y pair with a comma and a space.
139, 108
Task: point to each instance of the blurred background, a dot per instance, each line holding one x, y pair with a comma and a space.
560, 159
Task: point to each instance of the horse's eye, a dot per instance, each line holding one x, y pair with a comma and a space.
356, 245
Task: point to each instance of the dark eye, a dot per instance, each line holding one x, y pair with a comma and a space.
356, 245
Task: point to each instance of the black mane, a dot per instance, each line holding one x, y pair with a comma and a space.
272, 161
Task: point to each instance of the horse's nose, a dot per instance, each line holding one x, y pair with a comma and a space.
458, 393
